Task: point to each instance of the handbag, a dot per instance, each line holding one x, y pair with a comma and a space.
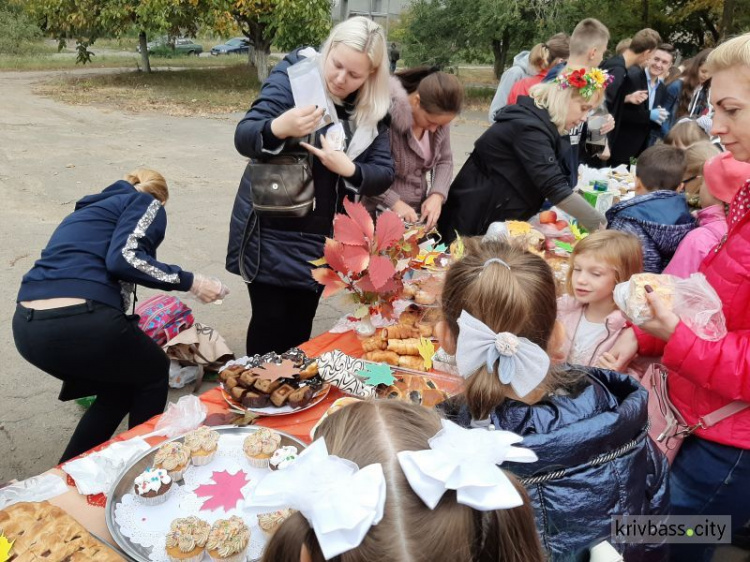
668, 427
282, 184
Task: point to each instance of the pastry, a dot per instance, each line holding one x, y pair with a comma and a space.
281, 395
404, 347
247, 379
410, 316
228, 540
173, 457
41, 531
186, 539
411, 362
231, 382
389, 357
270, 522
638, 308
410, 290
398, 332
309, 371
425, 330
374, 343
151, 486
231, 371
425, 298
260, 445
301, 397
203, 444
238, 393
266, 386
282, 458
254, 399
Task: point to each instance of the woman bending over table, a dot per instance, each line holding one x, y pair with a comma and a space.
71, 319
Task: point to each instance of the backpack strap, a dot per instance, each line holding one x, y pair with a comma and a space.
723, 413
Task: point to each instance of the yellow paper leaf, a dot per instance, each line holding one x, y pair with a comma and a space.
5, 546
426, 351
319, 262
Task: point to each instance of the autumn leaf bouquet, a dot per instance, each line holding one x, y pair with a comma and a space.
367, 259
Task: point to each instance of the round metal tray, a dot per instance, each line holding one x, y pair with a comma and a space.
124, 485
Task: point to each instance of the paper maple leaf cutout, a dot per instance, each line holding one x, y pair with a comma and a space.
377, 373
426, 351
5, 547
275, 371
225, 491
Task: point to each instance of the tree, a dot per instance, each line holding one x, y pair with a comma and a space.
285, 23
87, 20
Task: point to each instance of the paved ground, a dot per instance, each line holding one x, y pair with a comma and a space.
51, 155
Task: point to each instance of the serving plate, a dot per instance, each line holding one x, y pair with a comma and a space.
273, 410
124, 486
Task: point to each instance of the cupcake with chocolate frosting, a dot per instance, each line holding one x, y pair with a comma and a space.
282, 458
203, 444
186, 539
151, 486
228, 540
173, 457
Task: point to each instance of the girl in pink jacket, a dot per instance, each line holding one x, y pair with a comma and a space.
712, 218
588, 312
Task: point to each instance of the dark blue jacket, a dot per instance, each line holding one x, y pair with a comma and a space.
595, 461
671, 101
279, 251
108, 243
661, 219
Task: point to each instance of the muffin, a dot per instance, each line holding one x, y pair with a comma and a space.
282, 458
269, 522
203, 444
173, 457
260, 445
151, 486
228, 540
186, 539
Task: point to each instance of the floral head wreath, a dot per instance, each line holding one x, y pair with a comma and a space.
587, 83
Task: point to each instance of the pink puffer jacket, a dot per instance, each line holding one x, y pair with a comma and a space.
705, 376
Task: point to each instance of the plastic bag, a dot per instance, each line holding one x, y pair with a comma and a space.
180, 376
693, 299
186, 415
34, 489
550, 230
308, 88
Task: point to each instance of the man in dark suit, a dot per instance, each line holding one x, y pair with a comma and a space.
639, 123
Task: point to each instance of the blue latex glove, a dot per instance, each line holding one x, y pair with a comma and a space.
659, 115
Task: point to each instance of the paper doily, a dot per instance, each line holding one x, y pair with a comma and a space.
148, 525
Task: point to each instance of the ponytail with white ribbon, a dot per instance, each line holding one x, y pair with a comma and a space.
467, 461
521, 362
339, 500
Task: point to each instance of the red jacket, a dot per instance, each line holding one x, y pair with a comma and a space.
522, 87
705, 376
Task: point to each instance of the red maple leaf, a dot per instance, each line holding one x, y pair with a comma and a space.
356, 258
381, 270
390, 229
359, 214
329, 279
225, 491
333, 252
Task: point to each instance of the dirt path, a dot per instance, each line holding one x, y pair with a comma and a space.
51, 155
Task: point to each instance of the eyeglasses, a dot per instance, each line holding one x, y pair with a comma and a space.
691, 178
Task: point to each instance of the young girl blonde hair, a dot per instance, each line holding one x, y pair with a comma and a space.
685, 133
696, 155
374, 432
365, 36
519, 299
620, 250
549, 96
149, 181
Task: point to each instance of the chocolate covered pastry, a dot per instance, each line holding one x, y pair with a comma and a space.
254, 399
301, 397
247, 379
238, 393
281, 395
266, 386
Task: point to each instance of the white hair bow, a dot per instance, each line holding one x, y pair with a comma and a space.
466, 460
522, 363
340, 501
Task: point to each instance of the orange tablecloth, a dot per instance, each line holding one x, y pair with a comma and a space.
88, 510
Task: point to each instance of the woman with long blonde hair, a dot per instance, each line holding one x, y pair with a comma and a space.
273, 255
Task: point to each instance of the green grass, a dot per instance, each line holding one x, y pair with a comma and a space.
54, 61
193, 91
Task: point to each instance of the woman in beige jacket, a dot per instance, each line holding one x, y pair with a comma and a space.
423, 103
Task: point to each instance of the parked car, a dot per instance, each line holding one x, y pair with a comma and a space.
181, 45
235, 46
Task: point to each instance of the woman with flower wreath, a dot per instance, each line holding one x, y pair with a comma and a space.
515, 165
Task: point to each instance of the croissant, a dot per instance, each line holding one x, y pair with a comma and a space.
375, 343
409, 317
425, 297
404, 347
411, 362
399, 332
425, 330
389, 357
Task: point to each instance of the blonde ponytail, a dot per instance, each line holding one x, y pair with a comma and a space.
149, 181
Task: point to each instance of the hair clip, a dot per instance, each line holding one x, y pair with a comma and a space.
495, 260
521, 362
339, 500
466, 460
